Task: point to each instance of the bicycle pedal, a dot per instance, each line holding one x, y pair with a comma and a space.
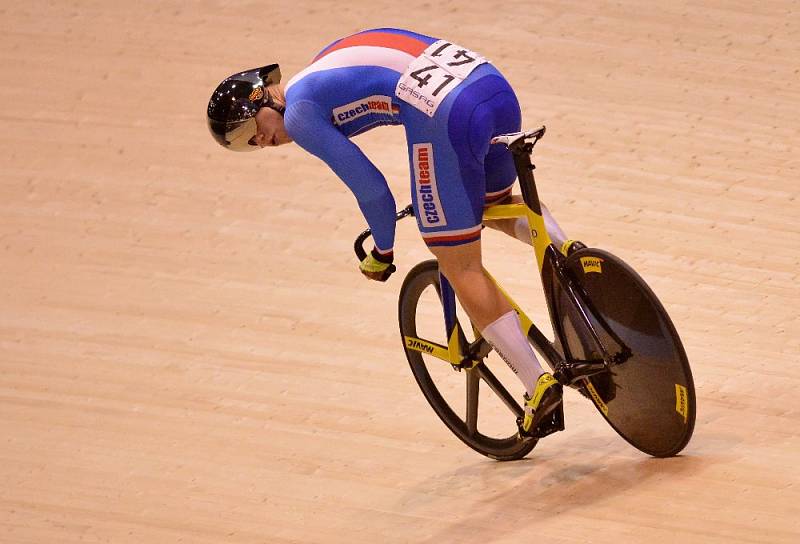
465, 364
553, 424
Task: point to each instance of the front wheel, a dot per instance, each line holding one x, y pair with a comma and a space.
474, 403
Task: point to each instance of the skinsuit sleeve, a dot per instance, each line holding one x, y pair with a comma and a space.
312, 130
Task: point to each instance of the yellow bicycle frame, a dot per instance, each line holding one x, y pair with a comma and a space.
530, 208
540, 240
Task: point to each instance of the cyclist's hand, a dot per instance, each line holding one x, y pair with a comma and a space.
376, 266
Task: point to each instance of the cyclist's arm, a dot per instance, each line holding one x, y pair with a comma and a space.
308, 125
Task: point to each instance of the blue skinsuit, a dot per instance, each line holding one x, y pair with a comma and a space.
350, 88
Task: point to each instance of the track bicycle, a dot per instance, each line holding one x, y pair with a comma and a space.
614, 342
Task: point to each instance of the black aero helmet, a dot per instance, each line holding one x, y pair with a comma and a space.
233, 106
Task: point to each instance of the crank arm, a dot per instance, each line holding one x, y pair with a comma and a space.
568, 373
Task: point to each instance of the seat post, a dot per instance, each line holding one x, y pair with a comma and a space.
522, 161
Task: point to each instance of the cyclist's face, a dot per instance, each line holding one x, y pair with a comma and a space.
270, 128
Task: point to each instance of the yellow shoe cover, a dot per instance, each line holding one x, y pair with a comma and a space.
546, 398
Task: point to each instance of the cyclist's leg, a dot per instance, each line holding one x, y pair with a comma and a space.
498, 323
488, 309
449, 184
518, 228
479, 296
486, 106
448, 187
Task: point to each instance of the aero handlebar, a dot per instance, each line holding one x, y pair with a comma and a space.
358, 246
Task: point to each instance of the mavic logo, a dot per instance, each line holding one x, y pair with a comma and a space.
596, 398
682, 401
592, 264
418, 345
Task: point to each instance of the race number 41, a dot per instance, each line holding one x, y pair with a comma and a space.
435, 73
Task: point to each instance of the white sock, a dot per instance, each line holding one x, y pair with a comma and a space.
557, 235
506, 337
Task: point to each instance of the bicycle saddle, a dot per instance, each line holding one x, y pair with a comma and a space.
510, 139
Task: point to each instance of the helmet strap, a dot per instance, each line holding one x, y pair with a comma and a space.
277, 107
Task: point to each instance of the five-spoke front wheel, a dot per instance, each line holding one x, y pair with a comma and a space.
474, 403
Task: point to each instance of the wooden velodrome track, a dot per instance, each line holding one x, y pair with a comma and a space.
188, 354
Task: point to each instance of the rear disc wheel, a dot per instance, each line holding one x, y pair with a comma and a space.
649, 398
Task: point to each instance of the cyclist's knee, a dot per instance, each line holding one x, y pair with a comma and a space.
456, 261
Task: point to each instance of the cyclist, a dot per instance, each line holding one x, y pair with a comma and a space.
451, 102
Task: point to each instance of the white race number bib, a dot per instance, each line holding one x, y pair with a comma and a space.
434, 74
